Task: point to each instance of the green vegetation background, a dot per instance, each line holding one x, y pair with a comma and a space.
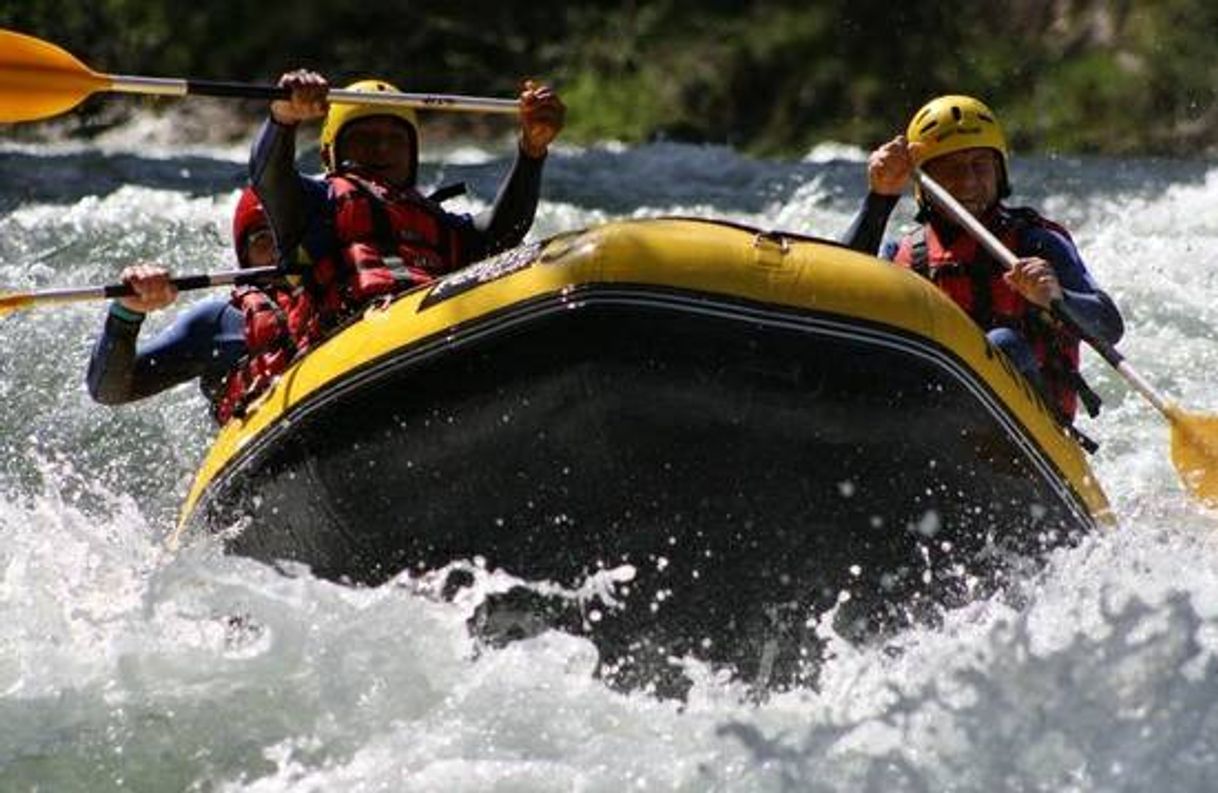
770, 77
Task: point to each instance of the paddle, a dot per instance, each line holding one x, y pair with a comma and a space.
1194, 437
15, 301
40, 80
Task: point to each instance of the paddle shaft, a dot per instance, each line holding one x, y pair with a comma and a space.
1059, 308
184, 283
165, 86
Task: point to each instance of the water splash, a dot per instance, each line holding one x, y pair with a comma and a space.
124, 666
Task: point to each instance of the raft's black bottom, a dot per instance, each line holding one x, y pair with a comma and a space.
751, 473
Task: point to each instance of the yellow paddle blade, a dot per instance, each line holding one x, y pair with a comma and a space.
39, 80
1194, 450
13, 302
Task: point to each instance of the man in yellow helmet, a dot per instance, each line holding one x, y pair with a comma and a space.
364, 225
959, 143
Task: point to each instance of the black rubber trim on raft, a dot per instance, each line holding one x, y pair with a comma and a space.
792, 318
773, 234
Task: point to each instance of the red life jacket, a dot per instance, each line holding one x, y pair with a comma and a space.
281, 324
389, 239
321, 274
974, 280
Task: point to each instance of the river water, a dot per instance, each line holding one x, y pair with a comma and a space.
126, 667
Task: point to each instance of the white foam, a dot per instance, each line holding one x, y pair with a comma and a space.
114, 655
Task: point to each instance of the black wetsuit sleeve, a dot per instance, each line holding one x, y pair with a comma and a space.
866, 233
279, 185
205, 341
505, 224
1099, 311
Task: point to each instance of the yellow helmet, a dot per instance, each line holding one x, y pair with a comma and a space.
340, 115
952, 123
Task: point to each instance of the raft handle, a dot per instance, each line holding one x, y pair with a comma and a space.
772, 237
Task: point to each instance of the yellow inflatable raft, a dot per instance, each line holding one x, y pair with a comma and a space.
745, 425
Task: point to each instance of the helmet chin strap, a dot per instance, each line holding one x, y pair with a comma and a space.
352, 165
926, 212
349, 166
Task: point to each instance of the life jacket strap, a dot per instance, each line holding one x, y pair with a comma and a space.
1091, 400
445, 192
1089, 445
919, 253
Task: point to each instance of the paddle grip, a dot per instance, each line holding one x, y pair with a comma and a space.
204, 280
238, 90
118, 290
192, 282
184, 283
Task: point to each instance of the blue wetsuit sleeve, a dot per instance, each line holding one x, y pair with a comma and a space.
866, 233
505, 224
112, 364
1090, 303
205, 341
